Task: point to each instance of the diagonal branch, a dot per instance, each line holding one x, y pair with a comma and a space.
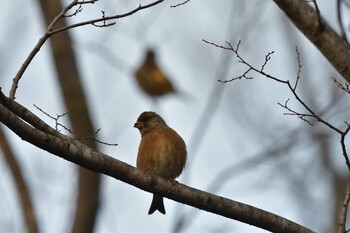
292, 88
76, 152
50, 31
319, 33
36, 49
105, 18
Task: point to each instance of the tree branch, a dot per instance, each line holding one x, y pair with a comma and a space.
291, 87
37, 48
50, 32
319, 33
76, 152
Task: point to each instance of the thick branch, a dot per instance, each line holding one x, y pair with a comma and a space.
320, 34
86, 157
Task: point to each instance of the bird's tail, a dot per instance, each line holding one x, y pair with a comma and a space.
157, 204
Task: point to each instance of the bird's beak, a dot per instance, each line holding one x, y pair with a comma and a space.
138, 125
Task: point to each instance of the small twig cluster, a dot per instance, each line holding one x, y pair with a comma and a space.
104, 22
343, 86
56, 119
58, 124
292, 112
240, 60
93, 137
303, 116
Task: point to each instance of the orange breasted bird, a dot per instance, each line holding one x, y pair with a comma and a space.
161, 151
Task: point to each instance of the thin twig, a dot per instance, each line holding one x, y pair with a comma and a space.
104, 24
93, 137
57, 124
267, 59
345, 87
36, 49
292, 88
292, 112
94, 21
343, 146
180, 4
56, 119
50, 32
299, 68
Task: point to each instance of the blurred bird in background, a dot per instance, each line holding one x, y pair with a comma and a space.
161, 152
151, 78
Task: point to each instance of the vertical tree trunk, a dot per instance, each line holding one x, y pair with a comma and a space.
74, 98
22, 189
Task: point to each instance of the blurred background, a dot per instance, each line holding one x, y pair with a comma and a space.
240, 145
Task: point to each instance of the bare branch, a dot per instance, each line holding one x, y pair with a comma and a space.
36, 49
91, 159
345, 87
244, 75
80, 7
302, 116
93, 137
343, 146
292, 112
267, 58
76, 12
57, 124
56, 119
321, 34
180, 4
241, 60
222, 47
299, 68
50, 32
104, 24
94, 21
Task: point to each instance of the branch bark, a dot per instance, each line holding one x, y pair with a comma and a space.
319, 33
65, 147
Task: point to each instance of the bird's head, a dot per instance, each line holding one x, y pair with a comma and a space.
147, 121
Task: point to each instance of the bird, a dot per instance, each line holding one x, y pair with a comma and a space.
162, 152
151, 78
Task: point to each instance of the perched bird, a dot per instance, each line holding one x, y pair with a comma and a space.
151, 79
161, 152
